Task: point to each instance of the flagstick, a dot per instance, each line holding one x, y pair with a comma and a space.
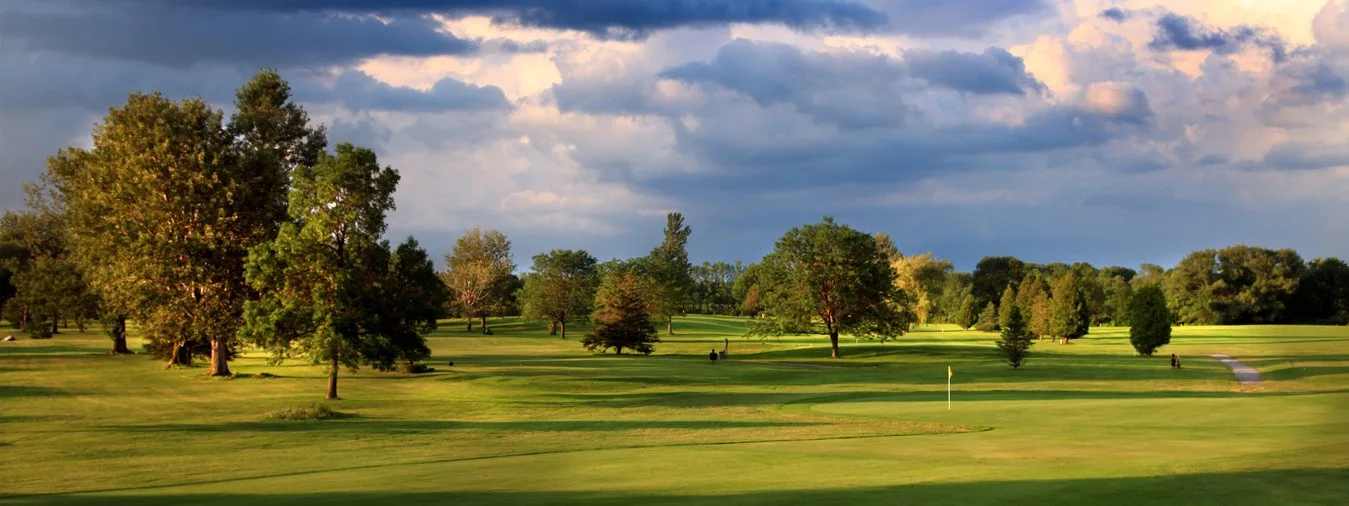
948, 392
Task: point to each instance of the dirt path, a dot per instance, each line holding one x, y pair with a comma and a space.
1245, 374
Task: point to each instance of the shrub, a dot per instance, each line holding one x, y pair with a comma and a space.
315, 411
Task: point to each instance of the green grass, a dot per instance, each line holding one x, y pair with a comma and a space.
523, 417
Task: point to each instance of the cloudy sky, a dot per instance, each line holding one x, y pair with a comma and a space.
1115, 132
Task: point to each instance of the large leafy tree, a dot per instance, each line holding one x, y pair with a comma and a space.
1118, 294
832, 275
993, 274
1067, 315
165, 206
477, 268
923, 277
156, 207
1150, 321
326, 287
48, 281
1322, 295
1190, 288
621, 318
668, 266
561, 288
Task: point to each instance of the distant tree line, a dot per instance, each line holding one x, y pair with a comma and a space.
213, 234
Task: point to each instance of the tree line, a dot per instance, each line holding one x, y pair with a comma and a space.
215, 233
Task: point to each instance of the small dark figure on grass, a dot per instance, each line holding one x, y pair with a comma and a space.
621, 318
1015, 342
1173, 360
712, 356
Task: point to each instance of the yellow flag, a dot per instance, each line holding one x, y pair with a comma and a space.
948, 372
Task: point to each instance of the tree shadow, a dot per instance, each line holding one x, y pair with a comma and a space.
10, 391
363, 425
1282, 486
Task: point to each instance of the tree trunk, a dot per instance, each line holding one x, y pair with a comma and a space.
119, 337
470, 324
55, 329
23, 318
833, 342
563, 326
552, 327
181, 355
618, 350
332, 377
669, 326
483, 324
220, 356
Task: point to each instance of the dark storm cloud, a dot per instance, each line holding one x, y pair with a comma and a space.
607, 18
855, 90
955, 18
1185, 33
357, 91
1303, 156
182, 36
1116, 14
992, 72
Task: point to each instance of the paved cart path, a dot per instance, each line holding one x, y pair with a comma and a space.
1245, 374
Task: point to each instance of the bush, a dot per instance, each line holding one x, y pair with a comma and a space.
315, 411
1151, 321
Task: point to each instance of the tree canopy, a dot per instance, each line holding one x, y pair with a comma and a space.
561, 287
834, 275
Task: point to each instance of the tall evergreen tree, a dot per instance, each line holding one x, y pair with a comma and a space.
1040, 312
1015, 341
1150, 320
966, 316
988, 319
621, 320
1005, 306
668, 265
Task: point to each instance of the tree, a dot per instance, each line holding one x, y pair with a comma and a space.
1066, 318
49, 285
1322, 295
1030, 287
412, 298
993, 274
923, 277
1040, 312
165, 206
621, 320
988, 319
668, 265
746, 291
1005, 306
561, 287
1150, 320
158, 206
966, 317
478, 266
1015, 341
1256, 285
323, 280
1190, 288
831, 274
1118, 297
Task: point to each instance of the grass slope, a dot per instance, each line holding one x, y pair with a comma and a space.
526, 418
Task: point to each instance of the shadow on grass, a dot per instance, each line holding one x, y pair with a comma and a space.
10, 391
1285, 486
359, 424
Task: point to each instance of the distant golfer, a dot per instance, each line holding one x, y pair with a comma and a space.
712, 356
